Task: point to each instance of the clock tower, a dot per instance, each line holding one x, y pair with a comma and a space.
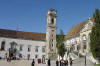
51, 34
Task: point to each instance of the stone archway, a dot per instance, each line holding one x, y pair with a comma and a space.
13, 50
2, 45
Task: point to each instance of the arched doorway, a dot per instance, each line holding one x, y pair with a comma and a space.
43, 58
12, 50
2, 45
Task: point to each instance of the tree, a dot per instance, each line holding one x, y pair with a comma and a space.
95, 35
60, 44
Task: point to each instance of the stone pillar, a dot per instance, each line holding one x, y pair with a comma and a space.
88, 44
81, 44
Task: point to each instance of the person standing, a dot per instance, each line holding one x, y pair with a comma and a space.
85, 60
57, 63
49, 63
60, 62
33, 62
66, 62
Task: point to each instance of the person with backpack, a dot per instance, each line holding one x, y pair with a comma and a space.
33, 62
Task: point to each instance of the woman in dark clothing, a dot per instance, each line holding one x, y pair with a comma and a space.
60, 63
33, 62
57, 63
49, 64
66, 62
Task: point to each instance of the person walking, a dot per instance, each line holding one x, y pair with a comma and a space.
57, 63
33, 62
66, 62
49, 63
71, 62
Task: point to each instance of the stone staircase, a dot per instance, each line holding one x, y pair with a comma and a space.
73, 56
90, 57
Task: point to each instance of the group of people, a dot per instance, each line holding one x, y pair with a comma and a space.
61, 62
64, 62
58, 63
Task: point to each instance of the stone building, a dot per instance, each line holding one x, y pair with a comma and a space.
78, 39
51, 34
29, 45
25, 45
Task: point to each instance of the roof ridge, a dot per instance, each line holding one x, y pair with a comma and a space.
21, 31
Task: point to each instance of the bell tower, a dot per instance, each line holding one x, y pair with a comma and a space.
51, 34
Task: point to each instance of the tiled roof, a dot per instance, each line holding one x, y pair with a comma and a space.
23, 35
76, 29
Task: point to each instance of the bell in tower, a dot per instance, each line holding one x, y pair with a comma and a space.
51, 34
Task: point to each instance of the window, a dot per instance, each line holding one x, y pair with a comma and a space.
52, 35
52, 40
51, 49
36, 49
52, 30
43, 49
84, 37
52, 45
52, 21
36, 56
20, 55
3, 45
21, 47
28, 56
29, 48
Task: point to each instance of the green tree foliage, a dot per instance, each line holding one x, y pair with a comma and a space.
95, 35
60, 44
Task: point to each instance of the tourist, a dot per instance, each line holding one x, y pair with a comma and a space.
57, 63
49, 64
33, 62
66, 62
60, 62
71, 61
85, 60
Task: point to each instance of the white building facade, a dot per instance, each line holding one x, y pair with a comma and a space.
22, 48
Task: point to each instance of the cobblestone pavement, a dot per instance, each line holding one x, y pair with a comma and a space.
79, 62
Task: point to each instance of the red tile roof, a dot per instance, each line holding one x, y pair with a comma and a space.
76, 29
23, 35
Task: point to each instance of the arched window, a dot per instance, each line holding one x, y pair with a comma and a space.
52, 21
84, 37
3, 45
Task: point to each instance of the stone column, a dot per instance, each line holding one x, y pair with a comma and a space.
88, 44
81, 43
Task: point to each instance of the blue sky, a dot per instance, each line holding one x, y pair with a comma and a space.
30, 15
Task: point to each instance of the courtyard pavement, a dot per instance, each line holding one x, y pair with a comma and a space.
79, 62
